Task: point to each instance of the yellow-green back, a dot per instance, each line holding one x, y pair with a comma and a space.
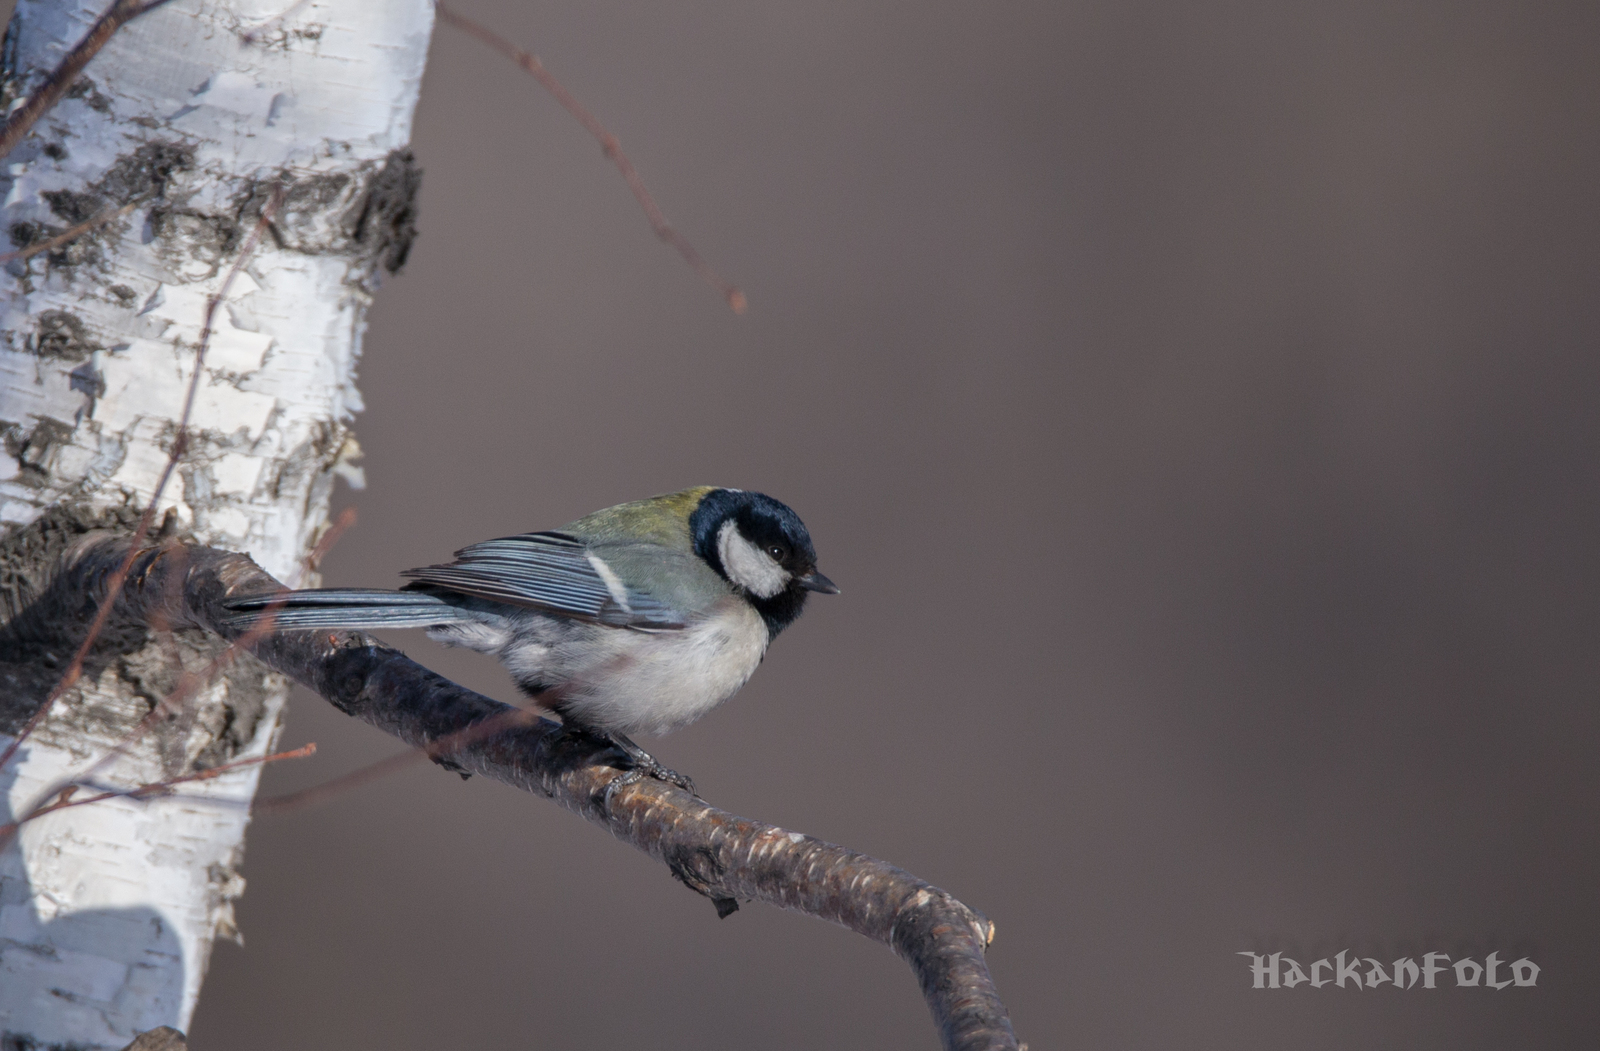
660, 520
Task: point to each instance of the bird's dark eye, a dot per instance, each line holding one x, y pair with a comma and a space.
777, 552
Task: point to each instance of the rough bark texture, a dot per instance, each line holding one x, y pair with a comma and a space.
728, 859
180, 128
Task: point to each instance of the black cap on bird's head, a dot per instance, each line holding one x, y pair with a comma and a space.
760, 546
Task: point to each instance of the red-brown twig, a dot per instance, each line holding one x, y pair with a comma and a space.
60, 80
434, 750
64, 797
190, 682
330, 536
180, 444
77, 231
306, 797
215, 301
608, 143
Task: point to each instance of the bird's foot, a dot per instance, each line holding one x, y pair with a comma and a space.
644, 765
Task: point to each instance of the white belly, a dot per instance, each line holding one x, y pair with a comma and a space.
628, 681
651, 683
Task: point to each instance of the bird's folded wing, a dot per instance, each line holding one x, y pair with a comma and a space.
552, 572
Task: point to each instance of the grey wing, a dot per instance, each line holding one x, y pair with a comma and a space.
551, 572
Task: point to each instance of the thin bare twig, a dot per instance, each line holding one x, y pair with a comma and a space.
608, 143
72, 234
330, 537
60, 80
306, 797
190, 682
180, 445
64, 798
215, 301
439, 751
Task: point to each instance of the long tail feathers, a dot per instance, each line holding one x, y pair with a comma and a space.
350, 608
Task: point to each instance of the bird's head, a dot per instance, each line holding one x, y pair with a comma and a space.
761, 547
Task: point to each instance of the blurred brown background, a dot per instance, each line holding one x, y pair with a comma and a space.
1198, 406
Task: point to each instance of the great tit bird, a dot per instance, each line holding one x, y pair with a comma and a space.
639, 618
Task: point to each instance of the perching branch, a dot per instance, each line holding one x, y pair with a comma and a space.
728, 859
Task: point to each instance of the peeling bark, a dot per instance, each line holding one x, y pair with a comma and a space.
179, 131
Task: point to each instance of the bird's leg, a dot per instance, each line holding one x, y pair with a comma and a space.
644, 765
641, 763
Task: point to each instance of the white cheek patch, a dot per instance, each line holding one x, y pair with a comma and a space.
747, 565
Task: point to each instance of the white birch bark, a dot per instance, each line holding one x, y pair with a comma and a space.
107, 912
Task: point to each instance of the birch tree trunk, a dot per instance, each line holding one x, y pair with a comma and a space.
190, 115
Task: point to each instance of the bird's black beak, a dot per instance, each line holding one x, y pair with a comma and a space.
814, 581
